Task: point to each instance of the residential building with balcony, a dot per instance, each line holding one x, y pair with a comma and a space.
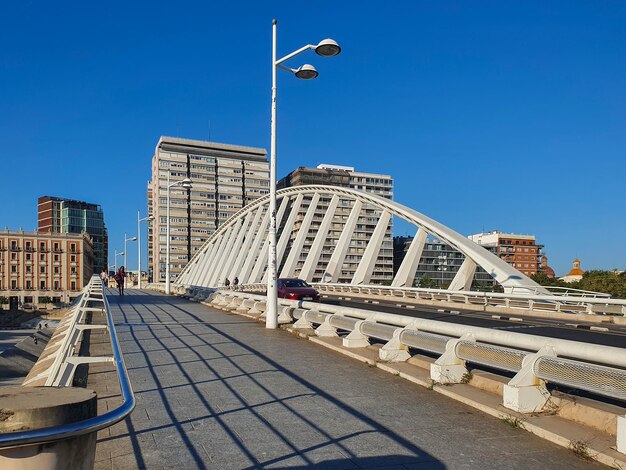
59, 215
225, 178
347, 177
438, 264
520, 251
43, 264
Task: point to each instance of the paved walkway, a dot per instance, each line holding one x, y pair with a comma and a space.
216, 390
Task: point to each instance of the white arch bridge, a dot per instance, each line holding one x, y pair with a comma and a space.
239, 248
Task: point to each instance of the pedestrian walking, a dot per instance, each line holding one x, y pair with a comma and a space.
105, 278
120, 278
227, 283
235, 283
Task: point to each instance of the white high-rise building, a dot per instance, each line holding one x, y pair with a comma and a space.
225, 178
347, 177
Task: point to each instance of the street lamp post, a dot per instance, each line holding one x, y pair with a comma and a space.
139, 219
131, 239
185, 184
326, 48
121, 253
443, 261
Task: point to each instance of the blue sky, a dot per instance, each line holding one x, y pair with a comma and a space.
494, 115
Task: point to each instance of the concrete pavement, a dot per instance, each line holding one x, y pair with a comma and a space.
216, 390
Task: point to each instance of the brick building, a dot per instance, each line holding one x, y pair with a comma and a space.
39, 264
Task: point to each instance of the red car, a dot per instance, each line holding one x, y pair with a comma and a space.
297, 289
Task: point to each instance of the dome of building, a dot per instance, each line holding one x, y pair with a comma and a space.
575, 274
576, 271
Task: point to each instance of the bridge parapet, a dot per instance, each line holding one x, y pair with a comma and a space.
54, 372
535, 361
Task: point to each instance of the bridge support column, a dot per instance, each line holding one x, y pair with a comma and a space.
527, 393
284, 316
621, 434
40, 407
326, 329
303, 323
449, 368
394, 350
356, 339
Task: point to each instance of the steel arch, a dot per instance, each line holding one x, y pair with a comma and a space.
227, 251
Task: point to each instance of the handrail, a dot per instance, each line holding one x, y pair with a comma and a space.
90, 425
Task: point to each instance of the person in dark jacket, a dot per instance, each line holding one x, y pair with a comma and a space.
119, 278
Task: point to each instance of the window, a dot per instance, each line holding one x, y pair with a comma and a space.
29, 285
56, 247
73, 285
73, 258
13, 284
42, 285
56, 285
42, 269
29, 269
42, 257
13, 256
28, 256
56, 270
73, 247
42, 246
13, 269
56, 257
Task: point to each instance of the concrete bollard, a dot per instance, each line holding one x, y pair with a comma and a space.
24, 408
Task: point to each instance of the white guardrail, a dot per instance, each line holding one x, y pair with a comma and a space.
535, 360
57, 365
567, 302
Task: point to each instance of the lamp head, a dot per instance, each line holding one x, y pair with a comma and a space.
186, 183
306, 72
327, 48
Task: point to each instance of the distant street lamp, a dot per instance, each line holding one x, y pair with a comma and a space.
121, 253
443, 261
185, 184
131, 239
326, 48
139, 219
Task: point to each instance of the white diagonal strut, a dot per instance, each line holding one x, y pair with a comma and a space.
406, 273
242, 252
259, 238
294, 254
218, 270
333, 269
261, 262
365, 268
312, 259
464, 276
286, 232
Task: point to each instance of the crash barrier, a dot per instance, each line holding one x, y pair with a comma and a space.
535, 360
567, 301
57, 445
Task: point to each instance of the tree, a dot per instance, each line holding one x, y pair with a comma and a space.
44, 299
3, 301
426, 283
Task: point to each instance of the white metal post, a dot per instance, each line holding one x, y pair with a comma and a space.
271, 319
167, 241
138, 250
125, 240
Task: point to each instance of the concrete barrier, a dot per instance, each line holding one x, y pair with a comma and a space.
26, 408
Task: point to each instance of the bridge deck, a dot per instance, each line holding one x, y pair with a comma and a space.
216, 390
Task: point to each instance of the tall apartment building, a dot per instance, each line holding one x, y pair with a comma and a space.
44, 264
346, 177
438, 265
520, 251
224, 177
59, 215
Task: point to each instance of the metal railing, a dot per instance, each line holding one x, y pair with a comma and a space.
590, 367
565, 303
61, 371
